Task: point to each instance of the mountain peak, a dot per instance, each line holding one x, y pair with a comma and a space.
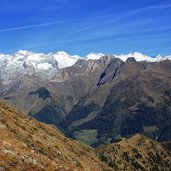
23, 52
62, 53
65, 60
138, 57
131, 59
94, 56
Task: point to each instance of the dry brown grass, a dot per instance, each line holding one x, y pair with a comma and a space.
26, 144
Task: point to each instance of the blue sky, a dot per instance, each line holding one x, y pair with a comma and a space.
80, 27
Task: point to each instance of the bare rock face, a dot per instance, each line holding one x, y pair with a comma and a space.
131, 59
110, 72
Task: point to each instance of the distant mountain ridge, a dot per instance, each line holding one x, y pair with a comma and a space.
47, 66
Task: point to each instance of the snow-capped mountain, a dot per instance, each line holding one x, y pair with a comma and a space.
65, 60
61, 59
94, 56
141, 57
46, 66
138, 57
162, 58
15, 66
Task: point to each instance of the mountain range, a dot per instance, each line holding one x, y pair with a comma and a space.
47, 65
97, 99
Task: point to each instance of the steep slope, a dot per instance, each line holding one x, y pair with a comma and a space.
136, 153
26, 144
